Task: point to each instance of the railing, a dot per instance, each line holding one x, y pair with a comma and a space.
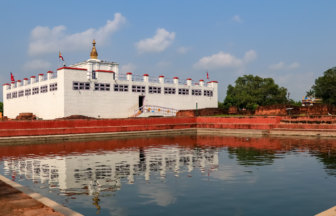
121, 76
155, 110
182, 82
169, 80
53, 76
137, 78
153, 79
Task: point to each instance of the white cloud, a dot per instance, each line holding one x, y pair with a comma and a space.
277, 66
294, 65
127, 68
183, 50
159, 194
225, 60
250, 55
158, 43
46, 40
282, 65
164, 63
36, 64
237, 19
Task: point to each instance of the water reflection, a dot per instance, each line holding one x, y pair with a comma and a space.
101, 169
91, 173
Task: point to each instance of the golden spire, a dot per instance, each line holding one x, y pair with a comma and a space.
94, 54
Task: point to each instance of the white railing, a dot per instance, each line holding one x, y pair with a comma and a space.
53, 76
121, 76
137, 78
155, 110
153, 79
182, 82
169, 80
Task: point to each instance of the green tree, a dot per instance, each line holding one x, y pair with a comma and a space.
310, 93
220, 105
1, 107
295, 103
325, 87
253, 91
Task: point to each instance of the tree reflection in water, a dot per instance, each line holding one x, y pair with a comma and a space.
329, 162
249, 156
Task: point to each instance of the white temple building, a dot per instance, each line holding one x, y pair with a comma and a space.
95, 88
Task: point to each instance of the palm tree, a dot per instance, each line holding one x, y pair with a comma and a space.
310, 93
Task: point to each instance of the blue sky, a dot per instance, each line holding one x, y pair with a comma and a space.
292, 42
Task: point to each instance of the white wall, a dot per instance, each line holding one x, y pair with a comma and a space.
48, 105
103, 104
111, 104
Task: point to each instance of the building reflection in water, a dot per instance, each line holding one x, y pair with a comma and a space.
99, 168
91, 173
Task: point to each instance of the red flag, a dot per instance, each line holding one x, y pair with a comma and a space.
207, 75
60, 56
12, 77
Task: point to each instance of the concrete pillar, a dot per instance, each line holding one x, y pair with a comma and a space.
32, 79
12, 85
145, 77
201, 82
129, 76
176, 79
6, 86
189, 82
49, 75
41, 77
18, 83
161, 79
25, 81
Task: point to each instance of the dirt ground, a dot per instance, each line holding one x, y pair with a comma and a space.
15, 203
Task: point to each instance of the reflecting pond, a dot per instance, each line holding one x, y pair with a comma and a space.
190, 175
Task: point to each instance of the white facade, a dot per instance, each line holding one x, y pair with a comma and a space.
105, 101
100, 172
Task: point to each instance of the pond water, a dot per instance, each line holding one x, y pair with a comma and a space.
182, 175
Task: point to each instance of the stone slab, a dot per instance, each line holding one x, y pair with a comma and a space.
29, 203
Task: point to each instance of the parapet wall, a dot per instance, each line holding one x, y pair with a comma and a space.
317, 109
82, 126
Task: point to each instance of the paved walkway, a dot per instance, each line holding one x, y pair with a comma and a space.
14, 202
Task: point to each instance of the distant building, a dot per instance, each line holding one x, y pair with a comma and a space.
310, 101
95, 88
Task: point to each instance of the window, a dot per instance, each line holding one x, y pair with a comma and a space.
208, 93
35, 90
94, 75
169, 90
102, 87
44, 89
53, 87
154, 90
14, 95
81, 86
21, 93
9, 96
121, 88
27, 92
183, 91
197, 92
138, 88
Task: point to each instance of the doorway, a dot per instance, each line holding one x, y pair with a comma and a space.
141, 100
